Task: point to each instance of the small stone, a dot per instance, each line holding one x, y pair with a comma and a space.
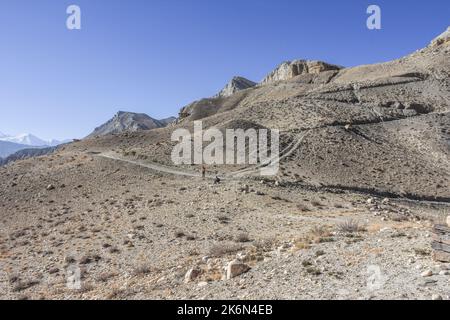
427, 273
202, 284
385, 201
436, 297
236, 268
444, 273
205, 259
448, 221
370, 201
50, 187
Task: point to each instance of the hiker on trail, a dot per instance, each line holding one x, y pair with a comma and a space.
203, 172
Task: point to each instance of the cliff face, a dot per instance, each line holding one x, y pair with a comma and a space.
290, 69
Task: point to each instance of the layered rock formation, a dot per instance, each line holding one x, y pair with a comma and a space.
290, 69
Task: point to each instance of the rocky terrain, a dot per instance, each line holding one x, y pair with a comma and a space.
364, 175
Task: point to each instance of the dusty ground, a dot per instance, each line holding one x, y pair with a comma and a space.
134, 233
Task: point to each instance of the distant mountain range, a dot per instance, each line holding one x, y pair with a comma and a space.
130, 122
30, 140
11, 144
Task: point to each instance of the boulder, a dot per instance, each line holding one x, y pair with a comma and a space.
235, 268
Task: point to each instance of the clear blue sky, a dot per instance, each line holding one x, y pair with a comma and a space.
155, 56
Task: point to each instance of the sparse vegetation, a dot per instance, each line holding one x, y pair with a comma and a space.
303, 208
313, 271
23, 285
179, 234
105, 276
142, 270
221, 249
421, 252
350, 226
242, 237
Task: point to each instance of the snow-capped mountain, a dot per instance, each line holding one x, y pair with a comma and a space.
30, 140
2, 134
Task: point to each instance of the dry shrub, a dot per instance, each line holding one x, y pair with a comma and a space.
242, 237
350, 226
221, 249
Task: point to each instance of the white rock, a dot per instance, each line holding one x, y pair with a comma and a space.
236, 268
444, 273
448, 221
427, 273
202, 284
436, 297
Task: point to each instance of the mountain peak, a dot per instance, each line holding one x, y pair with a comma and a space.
125, 121
30, 140
236, 84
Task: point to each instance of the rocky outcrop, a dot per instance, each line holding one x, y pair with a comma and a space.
443, 38
236, 84
129, 122
290, 69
